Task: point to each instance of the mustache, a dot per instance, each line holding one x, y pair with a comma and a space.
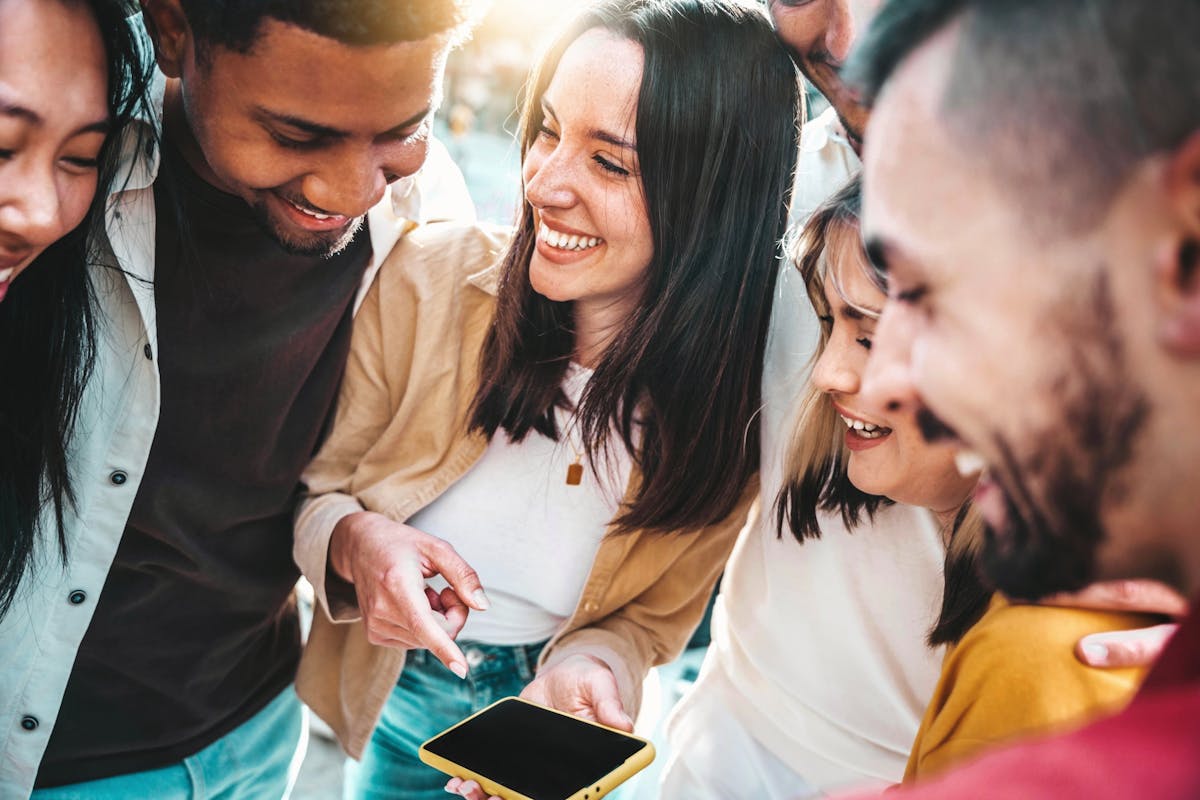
932, 428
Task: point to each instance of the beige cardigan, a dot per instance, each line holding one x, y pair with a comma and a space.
400, 439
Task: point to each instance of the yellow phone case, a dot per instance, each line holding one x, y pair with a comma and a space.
634, 764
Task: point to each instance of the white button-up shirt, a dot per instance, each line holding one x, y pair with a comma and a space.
42, 631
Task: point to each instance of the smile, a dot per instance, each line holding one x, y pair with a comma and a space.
313, 214
5, 274
566, 241
867, 430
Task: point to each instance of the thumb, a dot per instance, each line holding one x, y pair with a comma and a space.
610, 712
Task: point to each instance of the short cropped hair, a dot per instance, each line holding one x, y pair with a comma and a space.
1065, 97
235, 24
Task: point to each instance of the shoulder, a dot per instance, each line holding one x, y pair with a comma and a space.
446, 256
1026, 652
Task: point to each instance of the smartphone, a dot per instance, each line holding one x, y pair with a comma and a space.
523, 751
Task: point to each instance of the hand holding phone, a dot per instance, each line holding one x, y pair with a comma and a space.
518, 750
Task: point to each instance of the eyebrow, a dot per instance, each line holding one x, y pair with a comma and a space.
597, 133
30, 116
327, 132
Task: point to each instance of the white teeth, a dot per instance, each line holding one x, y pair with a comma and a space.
969, 463
858, 425
5, 274
849, 422
313, 214
566, 241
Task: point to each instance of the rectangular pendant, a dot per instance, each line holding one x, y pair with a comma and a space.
574, 474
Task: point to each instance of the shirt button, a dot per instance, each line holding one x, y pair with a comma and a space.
148, 351
77, 597
29, 723
118, 478
591, 606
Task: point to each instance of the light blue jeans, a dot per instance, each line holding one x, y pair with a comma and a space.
428, 699
258, 760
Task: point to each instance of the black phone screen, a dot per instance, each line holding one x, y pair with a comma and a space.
541, 754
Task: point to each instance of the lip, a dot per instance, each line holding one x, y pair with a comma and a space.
13, 260
560, 228
842, 411
556, 255
307, 221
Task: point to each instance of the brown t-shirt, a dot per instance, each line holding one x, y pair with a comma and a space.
196, 628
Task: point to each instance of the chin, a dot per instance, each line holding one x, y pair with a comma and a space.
547, 288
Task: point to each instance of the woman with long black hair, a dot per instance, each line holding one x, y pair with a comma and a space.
72, 78
573, 405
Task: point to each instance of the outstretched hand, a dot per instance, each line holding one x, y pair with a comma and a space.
388, 563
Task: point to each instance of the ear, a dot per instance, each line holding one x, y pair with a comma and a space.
1178, 262
170, 32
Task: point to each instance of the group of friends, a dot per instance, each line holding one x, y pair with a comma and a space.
914, 377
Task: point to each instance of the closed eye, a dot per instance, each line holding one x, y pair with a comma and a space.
608, 166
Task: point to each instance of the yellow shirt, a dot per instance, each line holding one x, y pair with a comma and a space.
1014, 675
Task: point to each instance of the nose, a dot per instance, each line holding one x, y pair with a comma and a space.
355, 181
839, 36
549, 182
834, 372
31, 207
887, 384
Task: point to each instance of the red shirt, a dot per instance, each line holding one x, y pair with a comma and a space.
1151, 749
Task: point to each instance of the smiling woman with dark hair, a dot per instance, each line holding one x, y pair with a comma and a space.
573, 405
70, 82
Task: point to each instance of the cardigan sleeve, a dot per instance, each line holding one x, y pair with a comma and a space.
653, 627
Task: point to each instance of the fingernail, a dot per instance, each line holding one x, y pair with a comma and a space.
481, 600
459, 669
1096, 653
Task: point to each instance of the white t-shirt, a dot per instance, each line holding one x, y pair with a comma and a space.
822, 643
530, 535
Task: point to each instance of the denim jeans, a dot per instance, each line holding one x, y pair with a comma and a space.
427, 699
258, 760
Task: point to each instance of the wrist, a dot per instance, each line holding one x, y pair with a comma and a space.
343, 543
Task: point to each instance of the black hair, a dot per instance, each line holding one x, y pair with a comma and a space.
234, 24
717, 150
1086, 89
48, 324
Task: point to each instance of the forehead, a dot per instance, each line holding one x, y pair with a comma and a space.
52, 60
926, 194
295, 71
599, 75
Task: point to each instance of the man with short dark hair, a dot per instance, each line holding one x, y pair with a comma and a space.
1032, 179
293, 134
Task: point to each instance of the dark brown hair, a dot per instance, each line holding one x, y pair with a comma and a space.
717, 149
